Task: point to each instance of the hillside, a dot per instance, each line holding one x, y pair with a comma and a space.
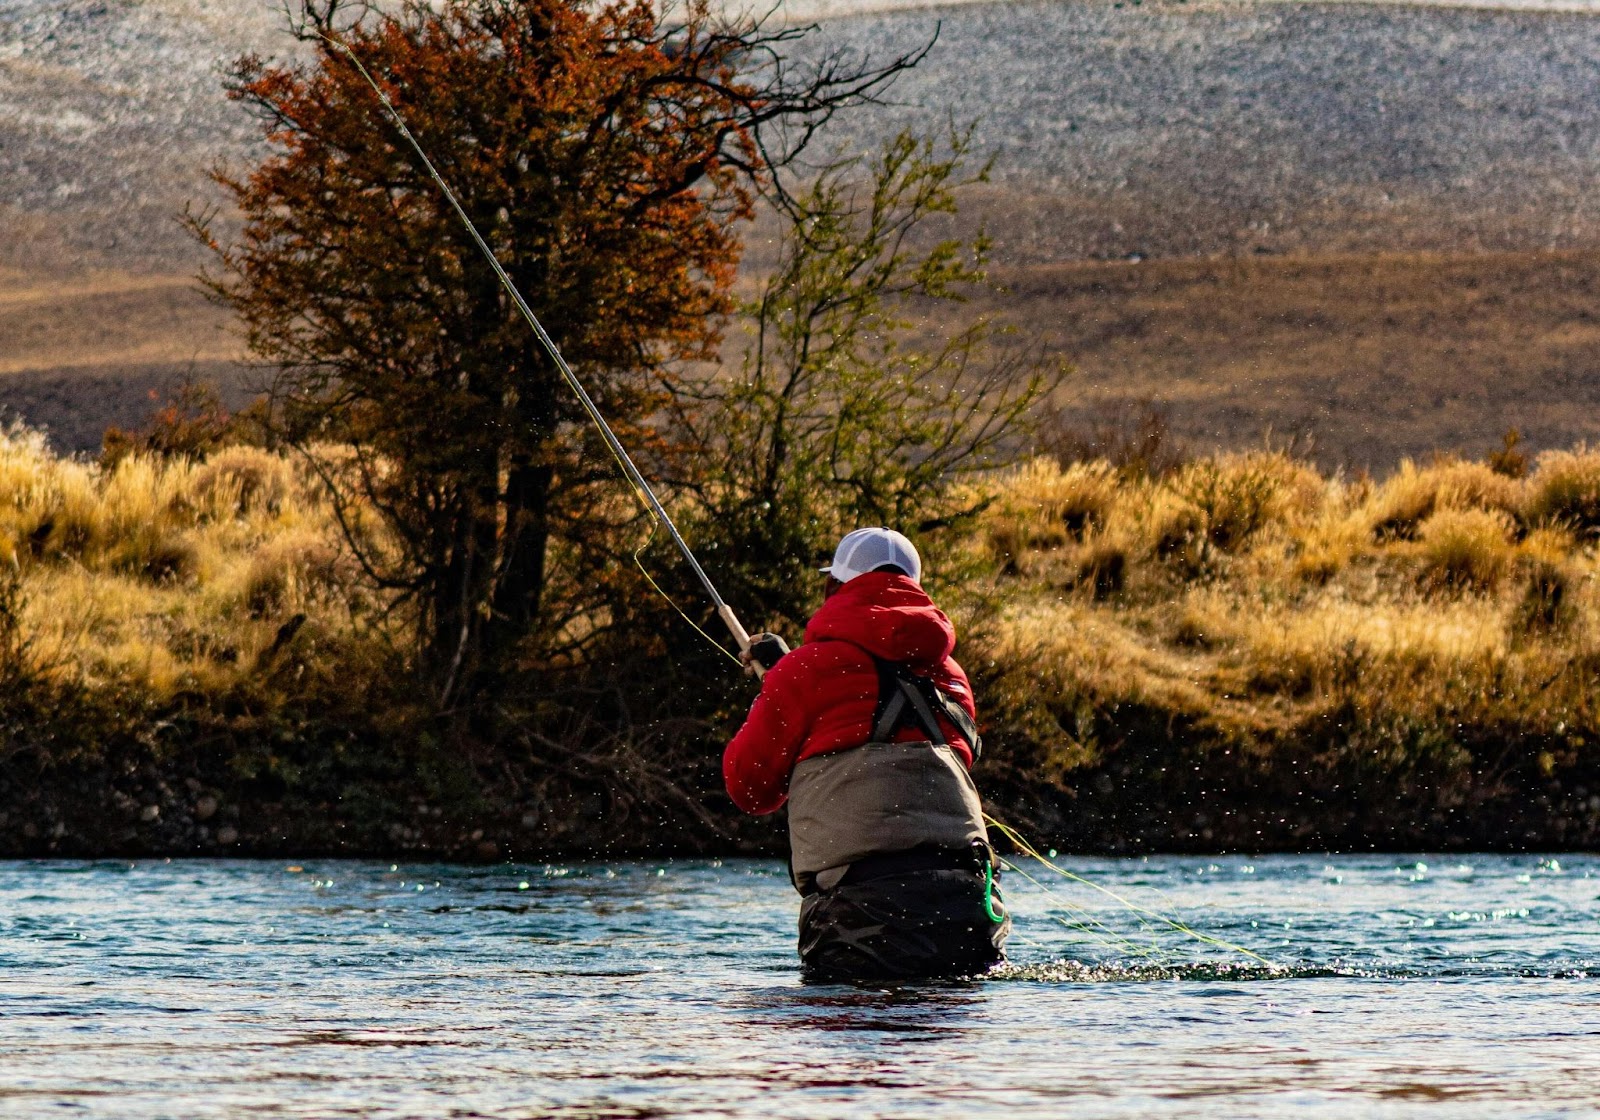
1371, 221
82, 351
1370, 358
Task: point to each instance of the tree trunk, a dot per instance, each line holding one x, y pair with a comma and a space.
455, 653
520, 591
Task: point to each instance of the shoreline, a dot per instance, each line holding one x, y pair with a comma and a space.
1236, 652
1131, 805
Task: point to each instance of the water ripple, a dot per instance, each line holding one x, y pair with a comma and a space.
1416, 985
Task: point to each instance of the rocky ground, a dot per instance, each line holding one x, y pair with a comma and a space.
1172, 128
1156, 132
1159, 128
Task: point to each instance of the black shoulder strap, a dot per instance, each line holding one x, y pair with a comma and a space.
907, 700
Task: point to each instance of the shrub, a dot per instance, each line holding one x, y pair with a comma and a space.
1400, 506
1509, 459
1046, 505
1328, 548
127, 518
1236, 496
239, 480
190, 425
1193, 631
1465, 549
289, 572
1565, 490
1547, 602
169, 559
1103, 568
1175, 530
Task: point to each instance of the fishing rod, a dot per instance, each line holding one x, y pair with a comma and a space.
624, 460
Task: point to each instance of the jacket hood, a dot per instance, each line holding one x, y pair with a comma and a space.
890, 617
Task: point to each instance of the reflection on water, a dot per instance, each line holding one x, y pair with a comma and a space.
1449, 986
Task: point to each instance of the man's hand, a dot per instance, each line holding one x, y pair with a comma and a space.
765, 650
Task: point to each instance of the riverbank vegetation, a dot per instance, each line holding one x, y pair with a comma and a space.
1237, 652
1246, 652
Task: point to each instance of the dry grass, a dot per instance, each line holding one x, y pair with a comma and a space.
1243, 593
167, 576
1256, 596
1566, 490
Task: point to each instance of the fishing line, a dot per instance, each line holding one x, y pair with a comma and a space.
1171, 923
639, 563
1104, 933
631, 472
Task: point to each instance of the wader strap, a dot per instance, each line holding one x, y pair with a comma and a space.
907, 700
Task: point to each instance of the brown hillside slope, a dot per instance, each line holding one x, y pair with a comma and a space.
1377, 356
83, 351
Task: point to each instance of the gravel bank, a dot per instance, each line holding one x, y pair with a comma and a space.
1172, 128
1155, 128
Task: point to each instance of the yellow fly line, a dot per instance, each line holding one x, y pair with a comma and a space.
639, 563
1091, 927
1028, 849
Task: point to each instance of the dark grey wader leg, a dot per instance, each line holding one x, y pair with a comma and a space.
881, 923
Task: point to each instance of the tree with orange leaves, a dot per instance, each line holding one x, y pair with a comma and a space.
607, 154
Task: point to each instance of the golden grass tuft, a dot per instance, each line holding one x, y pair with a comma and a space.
1102, 567
238, 481
1329, 546
1044, 507
1552, 580
290, 575
164, 575
1397, 510
1236, 496
1564, 490
1465, 549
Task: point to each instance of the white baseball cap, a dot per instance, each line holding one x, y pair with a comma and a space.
867, 549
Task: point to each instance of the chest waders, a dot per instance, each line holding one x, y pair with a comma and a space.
888, 847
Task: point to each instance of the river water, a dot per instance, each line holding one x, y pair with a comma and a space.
1399, 986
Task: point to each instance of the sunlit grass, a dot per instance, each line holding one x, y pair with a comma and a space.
1243, 593
1257, 596
169, 576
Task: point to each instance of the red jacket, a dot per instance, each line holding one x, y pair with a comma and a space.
822, 696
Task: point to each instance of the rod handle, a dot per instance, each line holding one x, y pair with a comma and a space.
740, 635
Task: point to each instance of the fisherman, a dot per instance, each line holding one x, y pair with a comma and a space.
868, 731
